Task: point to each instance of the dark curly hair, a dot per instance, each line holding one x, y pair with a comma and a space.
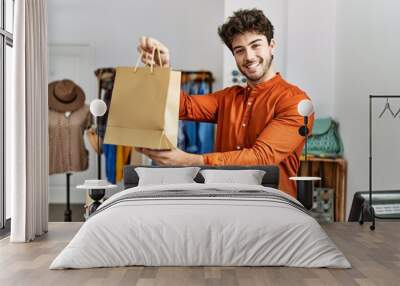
243, 21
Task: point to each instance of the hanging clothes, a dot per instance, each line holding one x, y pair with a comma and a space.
123, 158
110, 154
103, 119
206, 131
116, 156
67, 150
190, 127
197, 137
181, 136
105, 78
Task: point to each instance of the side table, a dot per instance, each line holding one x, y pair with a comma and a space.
96, 190
333, 173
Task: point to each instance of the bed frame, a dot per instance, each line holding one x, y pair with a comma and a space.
270, 179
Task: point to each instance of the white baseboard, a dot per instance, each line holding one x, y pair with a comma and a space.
58, 195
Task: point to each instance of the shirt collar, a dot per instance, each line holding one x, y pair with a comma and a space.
268, 83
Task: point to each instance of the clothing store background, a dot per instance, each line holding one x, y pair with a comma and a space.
332, 49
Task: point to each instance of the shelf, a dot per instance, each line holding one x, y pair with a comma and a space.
333, 172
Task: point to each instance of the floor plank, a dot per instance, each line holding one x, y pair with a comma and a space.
374, 255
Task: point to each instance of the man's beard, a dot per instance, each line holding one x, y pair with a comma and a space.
265, 70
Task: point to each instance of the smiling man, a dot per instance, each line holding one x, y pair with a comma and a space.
257, 124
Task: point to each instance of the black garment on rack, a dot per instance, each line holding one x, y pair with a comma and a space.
103, 119
106, 77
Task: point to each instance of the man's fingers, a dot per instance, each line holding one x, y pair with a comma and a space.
155, 154
142, 41
149, 43
147, 48
145, 151
160, 161
153, 43
146, 45
144, 51
158, 154
138, 149
147, 57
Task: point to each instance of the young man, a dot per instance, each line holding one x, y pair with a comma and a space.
258, 124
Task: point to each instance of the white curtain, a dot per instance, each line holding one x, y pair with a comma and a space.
27, 154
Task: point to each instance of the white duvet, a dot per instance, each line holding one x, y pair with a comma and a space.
183, 231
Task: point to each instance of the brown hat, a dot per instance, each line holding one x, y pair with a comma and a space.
65, 95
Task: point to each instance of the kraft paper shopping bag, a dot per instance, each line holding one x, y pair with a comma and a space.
144, 109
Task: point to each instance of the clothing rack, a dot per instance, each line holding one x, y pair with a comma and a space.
196, 137
198, 76
370, 209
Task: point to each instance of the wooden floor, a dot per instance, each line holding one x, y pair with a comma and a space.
374, 255
56, 212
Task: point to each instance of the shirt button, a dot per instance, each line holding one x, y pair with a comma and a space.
238, 147
244, 125
249, 103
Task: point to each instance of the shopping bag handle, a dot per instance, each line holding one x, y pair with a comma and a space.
153, 61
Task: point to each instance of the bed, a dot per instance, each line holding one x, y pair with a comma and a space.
198, 224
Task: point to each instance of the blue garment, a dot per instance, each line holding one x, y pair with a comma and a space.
205, 130
110, 154
198, 136
190, 127
181, 130
181, 136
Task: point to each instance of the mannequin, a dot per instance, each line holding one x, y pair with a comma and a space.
69, 117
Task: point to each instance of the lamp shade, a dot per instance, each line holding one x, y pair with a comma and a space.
305, 107
98, 107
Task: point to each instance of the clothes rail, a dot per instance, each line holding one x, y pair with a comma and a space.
370, 208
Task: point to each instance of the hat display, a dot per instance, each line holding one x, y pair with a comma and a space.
65, 95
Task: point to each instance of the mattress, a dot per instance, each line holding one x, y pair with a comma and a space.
200, 225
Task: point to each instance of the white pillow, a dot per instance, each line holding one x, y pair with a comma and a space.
248, 177
163, 176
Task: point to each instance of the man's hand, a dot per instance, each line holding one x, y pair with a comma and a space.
175, 157
146, 47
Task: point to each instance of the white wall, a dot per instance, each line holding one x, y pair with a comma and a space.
311, 51
367, 62
305, 50
112, 30
188, 28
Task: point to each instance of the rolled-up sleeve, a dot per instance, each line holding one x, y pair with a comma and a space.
199, 107
276, 142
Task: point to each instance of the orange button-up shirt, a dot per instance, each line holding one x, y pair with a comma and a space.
255, 126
